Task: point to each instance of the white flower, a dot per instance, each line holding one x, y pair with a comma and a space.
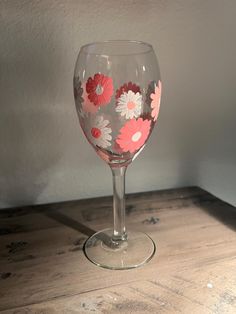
129, 105
99, 132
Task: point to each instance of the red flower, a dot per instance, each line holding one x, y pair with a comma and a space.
146, 116
126, 87
99, 89
87, 105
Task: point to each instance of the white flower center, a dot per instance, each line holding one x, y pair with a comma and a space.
136, 136
99, 89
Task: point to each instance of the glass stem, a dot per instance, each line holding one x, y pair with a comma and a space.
118, 174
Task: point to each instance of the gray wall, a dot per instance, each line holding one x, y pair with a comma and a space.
43, 154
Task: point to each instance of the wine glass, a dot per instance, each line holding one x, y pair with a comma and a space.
117, 91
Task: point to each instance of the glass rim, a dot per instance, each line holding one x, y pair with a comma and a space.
125, 41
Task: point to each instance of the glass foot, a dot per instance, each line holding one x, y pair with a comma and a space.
105, 252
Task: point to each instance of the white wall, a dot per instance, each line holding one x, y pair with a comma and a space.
43, 154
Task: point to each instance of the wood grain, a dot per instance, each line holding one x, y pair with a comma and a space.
43, 269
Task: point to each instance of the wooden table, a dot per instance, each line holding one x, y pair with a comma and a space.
43, 268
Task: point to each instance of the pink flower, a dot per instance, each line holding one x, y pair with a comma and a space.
126, 87
156, 100
133, 135
117, 149
99, 89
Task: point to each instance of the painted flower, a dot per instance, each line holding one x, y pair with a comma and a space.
127, 87
146, 115
117, 149
81, 113
98, 132
150, 90
99, 89
129, 105
133, 134
78, 90
156, 100
87, 105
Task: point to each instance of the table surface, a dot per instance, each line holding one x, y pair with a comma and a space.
43, 268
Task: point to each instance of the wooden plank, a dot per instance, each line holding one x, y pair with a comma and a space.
41, 263
198, 291
38, 217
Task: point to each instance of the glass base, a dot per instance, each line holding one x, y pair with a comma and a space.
106, 252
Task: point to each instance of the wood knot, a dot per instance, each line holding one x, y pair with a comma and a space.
151, 221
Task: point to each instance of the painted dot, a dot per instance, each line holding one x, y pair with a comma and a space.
131, 105
209, 285
96, 133
136, 136
99, 89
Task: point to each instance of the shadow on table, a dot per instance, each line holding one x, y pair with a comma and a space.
222, 211
76, 225
70, 222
